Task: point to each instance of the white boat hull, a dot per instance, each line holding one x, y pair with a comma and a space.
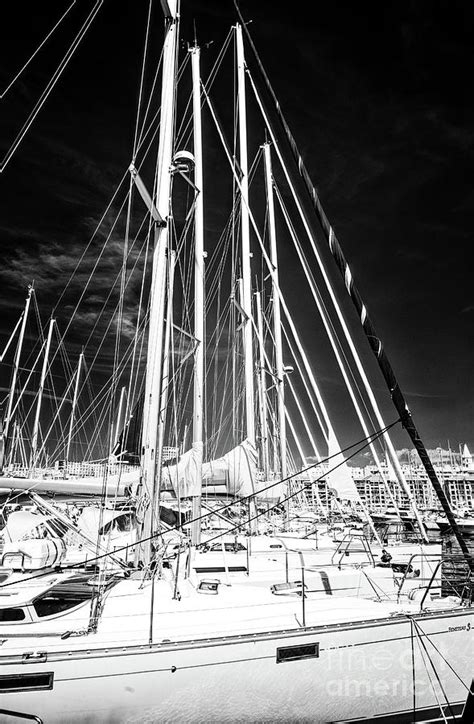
362, 670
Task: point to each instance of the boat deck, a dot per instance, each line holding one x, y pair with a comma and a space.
235, 610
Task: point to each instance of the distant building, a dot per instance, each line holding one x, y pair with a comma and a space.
455, 472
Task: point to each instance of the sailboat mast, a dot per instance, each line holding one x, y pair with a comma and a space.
276, 311
198, 382
245, 231
16, 364
374, 340
14, 443
262, 395
116, 436
165, 388
34, 437
151, 411
74, 403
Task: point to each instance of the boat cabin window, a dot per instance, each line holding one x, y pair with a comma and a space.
62, 597
296, 653
26, 682
12, 614
228, 547
49, 605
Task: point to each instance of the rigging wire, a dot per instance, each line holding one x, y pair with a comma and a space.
320, 301
100, 253
423, 634
52, 82
423, 652
341, 356
89, 244
142, 81
413, 665
105, 304
373, 338
24, 67
363, 443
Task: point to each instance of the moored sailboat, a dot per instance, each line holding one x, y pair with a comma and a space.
158, 641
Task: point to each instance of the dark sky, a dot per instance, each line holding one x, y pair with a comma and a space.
379, 99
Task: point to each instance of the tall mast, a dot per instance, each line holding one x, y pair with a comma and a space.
14, 443
198, 392
116, 436
151, 411
34, 437
276, 311
74, 403
165, 387
262, 395
245, 230
16, 364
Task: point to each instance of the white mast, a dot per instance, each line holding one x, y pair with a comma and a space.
34, 437
116, 435
245, 227
14, 443
262, 397
198, 405
165, 380
16, 364
74, 403
151, 411
276, 311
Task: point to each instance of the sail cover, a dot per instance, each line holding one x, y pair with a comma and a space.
114, 485
183, 478
233, 474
